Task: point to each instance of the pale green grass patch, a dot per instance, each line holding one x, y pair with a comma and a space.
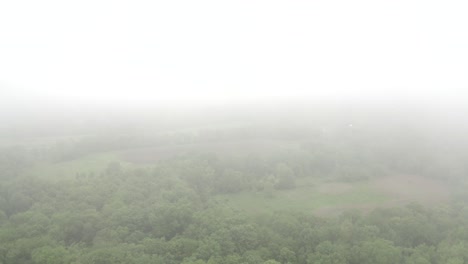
94, 164
305, 198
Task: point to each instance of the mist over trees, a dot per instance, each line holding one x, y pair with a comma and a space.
305, 189
233, 132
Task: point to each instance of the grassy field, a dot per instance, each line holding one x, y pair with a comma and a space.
331, 198
321, 197
222, 149
305, 198
94, 163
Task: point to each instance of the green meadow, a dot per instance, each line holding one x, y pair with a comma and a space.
305, 198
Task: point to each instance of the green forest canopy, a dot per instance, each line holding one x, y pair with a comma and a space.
180, 196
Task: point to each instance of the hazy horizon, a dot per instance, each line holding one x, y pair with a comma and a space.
187, 54
247, 131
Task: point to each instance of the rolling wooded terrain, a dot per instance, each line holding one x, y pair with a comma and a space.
322, 188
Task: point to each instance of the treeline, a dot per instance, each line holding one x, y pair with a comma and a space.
343, 152
165, 214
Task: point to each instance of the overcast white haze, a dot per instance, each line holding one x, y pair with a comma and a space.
207, 52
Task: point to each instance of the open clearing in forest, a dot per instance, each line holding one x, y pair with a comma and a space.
220, 148
328, 199
306, 197
324, 198
94, 163
311, 195
413, 188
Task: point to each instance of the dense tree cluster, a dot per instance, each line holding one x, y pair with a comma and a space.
168, 212
165, 214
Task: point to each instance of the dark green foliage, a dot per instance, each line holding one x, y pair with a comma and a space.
164, 215
168, 212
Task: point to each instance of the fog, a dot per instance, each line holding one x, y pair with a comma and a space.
210, 53
115, 67
202, 132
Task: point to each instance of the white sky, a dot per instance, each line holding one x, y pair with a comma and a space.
205, 51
